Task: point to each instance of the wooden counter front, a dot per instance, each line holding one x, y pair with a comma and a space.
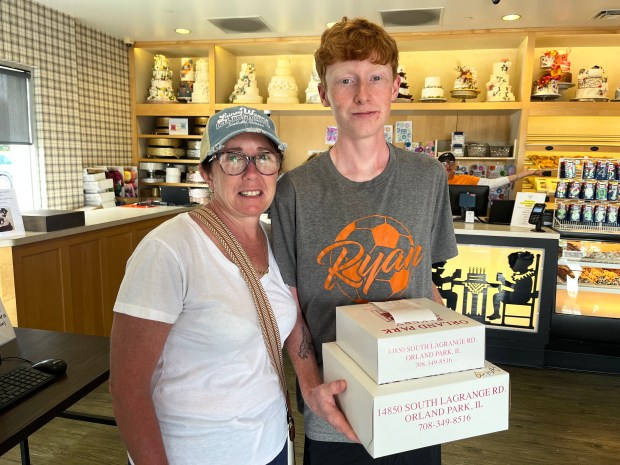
68, 280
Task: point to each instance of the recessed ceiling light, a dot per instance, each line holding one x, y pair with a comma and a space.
512, 17
329, 25
182, 31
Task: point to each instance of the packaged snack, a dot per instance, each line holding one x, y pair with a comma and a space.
612, 213
612, 191
589, 169
588, 190
561, 189
612, 170
567, 169
574, 189
561, 211
587, 213
601, 169
601, 190
574, 212
600, 212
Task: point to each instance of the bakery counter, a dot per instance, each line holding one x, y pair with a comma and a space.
97, 219
504, 277
67, 280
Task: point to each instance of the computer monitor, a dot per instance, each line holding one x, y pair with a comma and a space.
476, 198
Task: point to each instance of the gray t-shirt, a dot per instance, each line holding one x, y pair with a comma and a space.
341, 242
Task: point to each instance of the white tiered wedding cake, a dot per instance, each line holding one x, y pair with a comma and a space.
432, 89
200, 94
312, 91
246, 89
282, 87
592, 84
161, 83
498, 87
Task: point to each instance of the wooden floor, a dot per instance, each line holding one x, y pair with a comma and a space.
557, 417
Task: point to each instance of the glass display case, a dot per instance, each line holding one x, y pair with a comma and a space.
586, 321
588, 281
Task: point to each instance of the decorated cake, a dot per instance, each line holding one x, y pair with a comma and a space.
161, 83
556, 64
546, 86
312, 91
467, 78
432, 89
200, 93
282, 87
246, 89
403, 92
617, 95
591, 84
498, 87
186, 77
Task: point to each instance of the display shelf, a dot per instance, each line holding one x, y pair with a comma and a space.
172, 161
601, 289
302, 125
588, 263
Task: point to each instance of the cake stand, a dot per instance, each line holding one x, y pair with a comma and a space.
464, 94
545, 97
595, 99
432, 100
565, 85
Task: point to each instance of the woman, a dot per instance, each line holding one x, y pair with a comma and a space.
191, 380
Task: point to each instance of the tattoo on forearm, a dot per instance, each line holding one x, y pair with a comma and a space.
305, 348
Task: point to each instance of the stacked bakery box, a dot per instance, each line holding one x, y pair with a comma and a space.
416, 375
98, 190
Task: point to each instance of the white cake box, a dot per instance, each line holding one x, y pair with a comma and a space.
389, 352
397, 417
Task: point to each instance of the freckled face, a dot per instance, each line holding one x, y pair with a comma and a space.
360, 94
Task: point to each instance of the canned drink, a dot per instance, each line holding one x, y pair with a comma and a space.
612, 213
588, 190
612, 170
561, 189
601, 190
574, 189
601, 169
612, 191
574, 212
567, 169
589, 169
600, 212
587, 213
561, 211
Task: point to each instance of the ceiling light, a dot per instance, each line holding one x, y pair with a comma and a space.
512, 17
181, 30
329, 25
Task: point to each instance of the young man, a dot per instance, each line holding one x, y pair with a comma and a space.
363, 221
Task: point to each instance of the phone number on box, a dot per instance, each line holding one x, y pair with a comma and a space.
444, 422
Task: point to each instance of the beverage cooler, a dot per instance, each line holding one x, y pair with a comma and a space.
585, 324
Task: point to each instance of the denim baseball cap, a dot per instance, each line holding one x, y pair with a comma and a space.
233, 121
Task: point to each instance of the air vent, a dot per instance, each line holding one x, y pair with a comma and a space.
607, 14
411, 18
241, 25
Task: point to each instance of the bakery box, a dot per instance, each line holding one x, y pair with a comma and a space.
397, 417
52, 220
391, 352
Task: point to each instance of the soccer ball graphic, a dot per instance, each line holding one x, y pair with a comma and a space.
379, 255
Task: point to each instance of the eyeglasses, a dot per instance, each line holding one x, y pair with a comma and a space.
235, 163
450, 162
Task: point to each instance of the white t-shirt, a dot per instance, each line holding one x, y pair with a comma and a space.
216, 395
